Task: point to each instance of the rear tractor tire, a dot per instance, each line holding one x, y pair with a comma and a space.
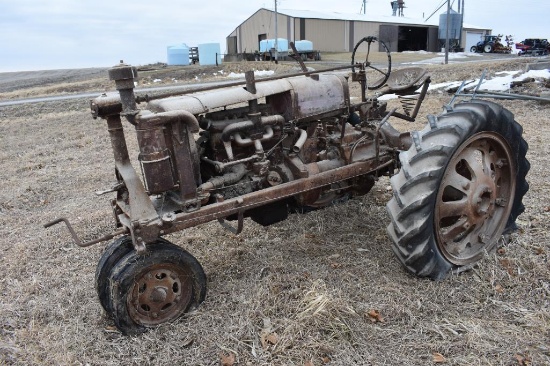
488, 48
459, 189
146, 290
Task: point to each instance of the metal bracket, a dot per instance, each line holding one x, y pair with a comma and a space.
240, 224
77, 239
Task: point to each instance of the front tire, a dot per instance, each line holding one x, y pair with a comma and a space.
460, 187
110, 257
113, 254
154, 288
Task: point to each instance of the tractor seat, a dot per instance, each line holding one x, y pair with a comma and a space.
404, 81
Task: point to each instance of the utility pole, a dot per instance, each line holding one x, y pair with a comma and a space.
276, 36
364, 6
461, 11
447, 33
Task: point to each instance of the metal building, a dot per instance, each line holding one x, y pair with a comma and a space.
337, 32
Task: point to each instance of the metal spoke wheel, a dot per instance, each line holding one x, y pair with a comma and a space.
475, 197
459, 189
383, 75
154, 288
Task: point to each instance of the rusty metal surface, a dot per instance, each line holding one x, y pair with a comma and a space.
205, 101
148, 98
132, 197
293, 145
276, 193
475, 198
312, 96
160, 294
75, 237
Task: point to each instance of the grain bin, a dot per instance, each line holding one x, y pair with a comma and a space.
455, 25
178, 54
209, 54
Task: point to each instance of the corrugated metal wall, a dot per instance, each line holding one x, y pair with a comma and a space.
262, 22
326, 35
389, 34
364, 29
432, 40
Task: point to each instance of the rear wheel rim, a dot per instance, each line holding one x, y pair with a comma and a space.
160, 293
475, 198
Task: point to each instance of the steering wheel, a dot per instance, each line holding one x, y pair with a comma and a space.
384, 75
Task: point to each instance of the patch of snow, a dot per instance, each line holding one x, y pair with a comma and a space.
157, 81
454, 55
256, 73
446, 85
441, 58
422, 52
501, 82
387, 97
264, 73
544, 74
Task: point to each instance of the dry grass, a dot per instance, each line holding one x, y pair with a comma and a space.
311, 288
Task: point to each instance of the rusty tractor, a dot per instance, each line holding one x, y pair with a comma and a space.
260, 148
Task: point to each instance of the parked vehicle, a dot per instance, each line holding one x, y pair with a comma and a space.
493, 44
533, 47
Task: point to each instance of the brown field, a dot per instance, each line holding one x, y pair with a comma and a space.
317, 289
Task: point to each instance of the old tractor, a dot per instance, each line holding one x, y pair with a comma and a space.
493, 44
261, 148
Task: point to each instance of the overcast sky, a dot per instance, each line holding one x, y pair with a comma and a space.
55, 34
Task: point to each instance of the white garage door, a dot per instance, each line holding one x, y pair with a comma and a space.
471, 40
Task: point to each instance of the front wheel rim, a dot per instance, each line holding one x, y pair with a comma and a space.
159, 294
475, 198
